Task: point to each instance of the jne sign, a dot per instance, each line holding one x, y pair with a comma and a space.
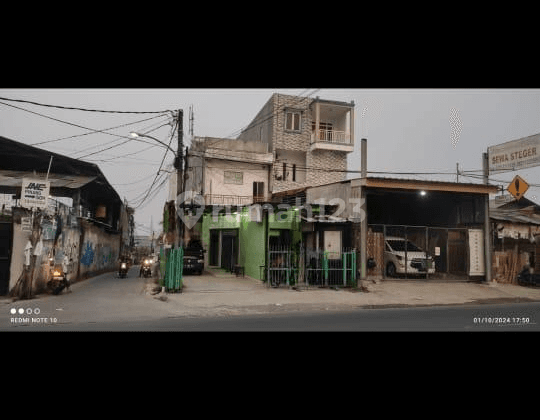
516, 154
35, 193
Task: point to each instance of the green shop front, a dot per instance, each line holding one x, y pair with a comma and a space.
241, 238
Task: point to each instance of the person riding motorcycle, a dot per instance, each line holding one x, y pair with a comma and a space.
146, 265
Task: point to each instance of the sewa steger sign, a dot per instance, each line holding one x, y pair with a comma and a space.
515, 154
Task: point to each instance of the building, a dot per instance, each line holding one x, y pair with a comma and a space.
81, 229
306, 137
228, 171
516, 237
444, 219
291, 143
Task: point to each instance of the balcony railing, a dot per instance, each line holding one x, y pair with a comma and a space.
331, 136
232, 200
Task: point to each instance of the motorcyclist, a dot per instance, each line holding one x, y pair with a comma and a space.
145, 262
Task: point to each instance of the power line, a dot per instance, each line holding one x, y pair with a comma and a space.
84, 109
159, 170
95, 131
75, 125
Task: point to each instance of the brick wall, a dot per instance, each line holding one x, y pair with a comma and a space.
282, 139
289, 140
326, 159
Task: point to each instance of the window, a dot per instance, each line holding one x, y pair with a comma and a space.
284, 171
322, 126
230, 177
292, 120
258, 191
294, 172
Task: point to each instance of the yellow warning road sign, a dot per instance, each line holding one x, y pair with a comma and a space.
518, 187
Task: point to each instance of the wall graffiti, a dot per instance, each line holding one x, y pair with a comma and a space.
88, 254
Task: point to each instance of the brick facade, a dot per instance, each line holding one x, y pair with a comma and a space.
270, 126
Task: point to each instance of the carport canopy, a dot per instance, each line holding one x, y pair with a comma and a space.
424, 203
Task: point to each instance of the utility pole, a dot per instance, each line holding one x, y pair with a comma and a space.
487, 230
363, 222
191, 118
180, 175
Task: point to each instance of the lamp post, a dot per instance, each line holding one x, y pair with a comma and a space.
179, 154
135, 135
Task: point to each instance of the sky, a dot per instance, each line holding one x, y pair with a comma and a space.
408, 130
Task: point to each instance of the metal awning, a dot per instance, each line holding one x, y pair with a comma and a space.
13, 179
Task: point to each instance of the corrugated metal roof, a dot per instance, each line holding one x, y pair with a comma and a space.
514, 216
13, 179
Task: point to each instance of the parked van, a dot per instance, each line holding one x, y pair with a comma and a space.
418, 261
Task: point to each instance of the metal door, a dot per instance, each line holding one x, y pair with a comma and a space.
228, 250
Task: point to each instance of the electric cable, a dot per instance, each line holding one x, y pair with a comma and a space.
94, 131
158, 172
75, 125
84, 109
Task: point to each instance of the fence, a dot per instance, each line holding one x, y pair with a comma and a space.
430, 252
171, 266
311, 267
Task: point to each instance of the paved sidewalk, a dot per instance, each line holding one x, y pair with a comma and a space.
225, 294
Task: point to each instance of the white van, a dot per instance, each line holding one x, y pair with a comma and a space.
418, 261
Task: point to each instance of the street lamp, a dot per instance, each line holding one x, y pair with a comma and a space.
135, 135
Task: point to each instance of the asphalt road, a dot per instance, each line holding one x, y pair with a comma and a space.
502, 317
106, 303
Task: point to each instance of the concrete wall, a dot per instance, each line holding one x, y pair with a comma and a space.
99, 250
251, 172
61, 241
58, 240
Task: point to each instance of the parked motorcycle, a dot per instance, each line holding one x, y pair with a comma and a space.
526, 278
58, 281
146, 268
123, 270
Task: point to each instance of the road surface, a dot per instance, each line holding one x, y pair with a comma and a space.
108, 303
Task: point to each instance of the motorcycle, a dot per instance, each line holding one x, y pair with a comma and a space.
146, 269
58, 281
122, 270
526, 278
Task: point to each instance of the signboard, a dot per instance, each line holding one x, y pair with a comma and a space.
26, 224
518, 187
516, 154
476, 252
332, 243
35, 193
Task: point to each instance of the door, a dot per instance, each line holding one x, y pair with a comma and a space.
457, 251
228, 250
214, 247
5, 256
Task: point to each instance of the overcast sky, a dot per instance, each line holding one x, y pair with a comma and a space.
424, 130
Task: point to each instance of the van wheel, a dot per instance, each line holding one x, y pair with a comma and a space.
390, 269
